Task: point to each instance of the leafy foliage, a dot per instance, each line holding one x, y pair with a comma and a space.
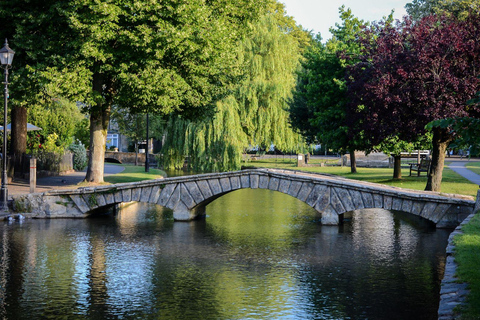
80, 159
156, 56
319, 107
255, 113
134, 125
59, 117
465, 130
418, 9
414, 73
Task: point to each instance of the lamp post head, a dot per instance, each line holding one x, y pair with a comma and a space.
6, 55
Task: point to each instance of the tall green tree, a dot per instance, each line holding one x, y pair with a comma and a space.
255, 114
156, 56
318, 109
60, 117
418, 9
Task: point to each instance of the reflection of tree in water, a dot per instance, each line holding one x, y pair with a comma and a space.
256, 223
253, 261
98, 291
4, 271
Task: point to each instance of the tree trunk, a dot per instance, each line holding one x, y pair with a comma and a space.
353, 162
99, 118
19, 140
441, 139
397, 167
98, 137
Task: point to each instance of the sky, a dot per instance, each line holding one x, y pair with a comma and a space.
320, 15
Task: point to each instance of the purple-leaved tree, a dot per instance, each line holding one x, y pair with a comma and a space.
410, 74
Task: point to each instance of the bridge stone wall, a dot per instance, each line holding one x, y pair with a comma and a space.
187, 196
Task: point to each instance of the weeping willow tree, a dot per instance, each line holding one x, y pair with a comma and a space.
255, 113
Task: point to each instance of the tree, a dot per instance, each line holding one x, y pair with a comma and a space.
60, 117
394, 146
255, 113
134, 125
152, 56
414, 73
318, 109
418, 9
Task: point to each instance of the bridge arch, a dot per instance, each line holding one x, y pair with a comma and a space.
187, 196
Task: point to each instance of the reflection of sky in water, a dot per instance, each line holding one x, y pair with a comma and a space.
259, 254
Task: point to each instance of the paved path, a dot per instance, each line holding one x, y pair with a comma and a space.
67, 181
459, 167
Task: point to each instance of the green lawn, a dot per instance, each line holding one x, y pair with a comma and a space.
134, 173
451, 182
467, 256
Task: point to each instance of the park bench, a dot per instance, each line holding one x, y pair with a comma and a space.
423, 166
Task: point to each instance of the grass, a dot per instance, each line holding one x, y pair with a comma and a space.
451, 181
134, 173
467, 256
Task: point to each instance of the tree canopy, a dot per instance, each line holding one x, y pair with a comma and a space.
255, 114
318, 109
165, 57
414, 73
418, 9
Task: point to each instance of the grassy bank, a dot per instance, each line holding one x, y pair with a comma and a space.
134, 173
451, 182
467, 256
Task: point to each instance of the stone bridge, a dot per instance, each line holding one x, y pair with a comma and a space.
187, 196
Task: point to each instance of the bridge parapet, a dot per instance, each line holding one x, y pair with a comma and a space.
187, 196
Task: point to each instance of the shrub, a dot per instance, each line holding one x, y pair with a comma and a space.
80, 160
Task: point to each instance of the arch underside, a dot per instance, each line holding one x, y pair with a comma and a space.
188, 199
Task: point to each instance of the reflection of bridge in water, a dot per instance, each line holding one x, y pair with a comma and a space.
187, 196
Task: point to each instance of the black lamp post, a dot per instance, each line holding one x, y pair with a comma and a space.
147, 164
6, 57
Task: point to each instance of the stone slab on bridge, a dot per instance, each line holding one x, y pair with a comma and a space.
187, 196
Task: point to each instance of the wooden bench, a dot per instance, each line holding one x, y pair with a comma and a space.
423, 166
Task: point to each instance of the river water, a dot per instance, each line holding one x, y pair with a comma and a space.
258, 255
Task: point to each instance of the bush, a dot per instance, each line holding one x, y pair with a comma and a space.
48, 161
80, 160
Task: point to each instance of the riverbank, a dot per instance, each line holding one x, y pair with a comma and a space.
460, 294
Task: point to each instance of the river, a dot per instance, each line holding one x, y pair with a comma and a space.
258, 254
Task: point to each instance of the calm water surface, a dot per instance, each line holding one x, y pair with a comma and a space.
258, 255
